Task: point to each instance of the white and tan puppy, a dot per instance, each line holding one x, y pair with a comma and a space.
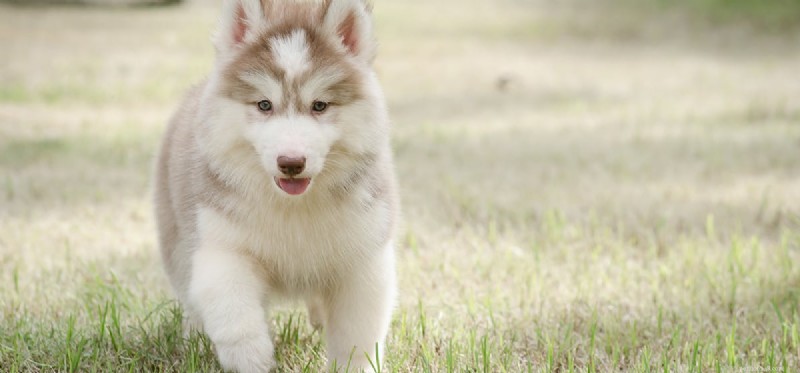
275, 179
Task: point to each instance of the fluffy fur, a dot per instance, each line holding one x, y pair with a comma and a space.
233, 238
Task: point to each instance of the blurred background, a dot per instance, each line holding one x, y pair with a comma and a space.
646, 111
556, 157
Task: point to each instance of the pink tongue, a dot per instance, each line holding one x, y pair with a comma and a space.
294, 186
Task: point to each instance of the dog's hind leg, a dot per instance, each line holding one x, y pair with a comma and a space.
316, 312
190, 322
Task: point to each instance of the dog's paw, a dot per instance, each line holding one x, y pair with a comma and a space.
253, 355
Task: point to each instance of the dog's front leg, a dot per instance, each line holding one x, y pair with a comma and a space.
359, 313
227, 292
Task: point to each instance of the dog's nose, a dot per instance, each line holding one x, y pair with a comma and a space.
291, 166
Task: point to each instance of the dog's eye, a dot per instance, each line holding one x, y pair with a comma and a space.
264, 105
319, 106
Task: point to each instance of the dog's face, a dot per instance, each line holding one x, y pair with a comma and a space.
295, 82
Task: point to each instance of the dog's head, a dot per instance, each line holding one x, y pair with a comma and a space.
293, 84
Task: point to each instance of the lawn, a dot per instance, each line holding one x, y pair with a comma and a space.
586, 186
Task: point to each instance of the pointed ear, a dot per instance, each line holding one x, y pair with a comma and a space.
240, 20
350, 21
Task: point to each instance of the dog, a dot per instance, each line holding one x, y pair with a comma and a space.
275, 179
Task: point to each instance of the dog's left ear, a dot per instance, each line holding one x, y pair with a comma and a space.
351, 22
238, 24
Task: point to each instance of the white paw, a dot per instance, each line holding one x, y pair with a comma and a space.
252, 355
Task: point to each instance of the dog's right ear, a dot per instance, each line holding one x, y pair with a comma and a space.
239, 23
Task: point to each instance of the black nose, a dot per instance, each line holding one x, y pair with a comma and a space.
291, 166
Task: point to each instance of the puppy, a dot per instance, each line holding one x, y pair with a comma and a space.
275, 179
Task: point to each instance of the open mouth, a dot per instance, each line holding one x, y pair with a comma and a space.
293, 186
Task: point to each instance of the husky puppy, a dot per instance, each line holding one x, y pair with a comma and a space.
275, 178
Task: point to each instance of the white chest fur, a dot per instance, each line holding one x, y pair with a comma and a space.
301, 246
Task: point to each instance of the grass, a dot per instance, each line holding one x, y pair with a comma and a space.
582, 191
775, 16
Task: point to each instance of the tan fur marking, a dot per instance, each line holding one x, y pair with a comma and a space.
258, 58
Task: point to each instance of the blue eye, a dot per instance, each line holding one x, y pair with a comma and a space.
319, 106
264, 105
